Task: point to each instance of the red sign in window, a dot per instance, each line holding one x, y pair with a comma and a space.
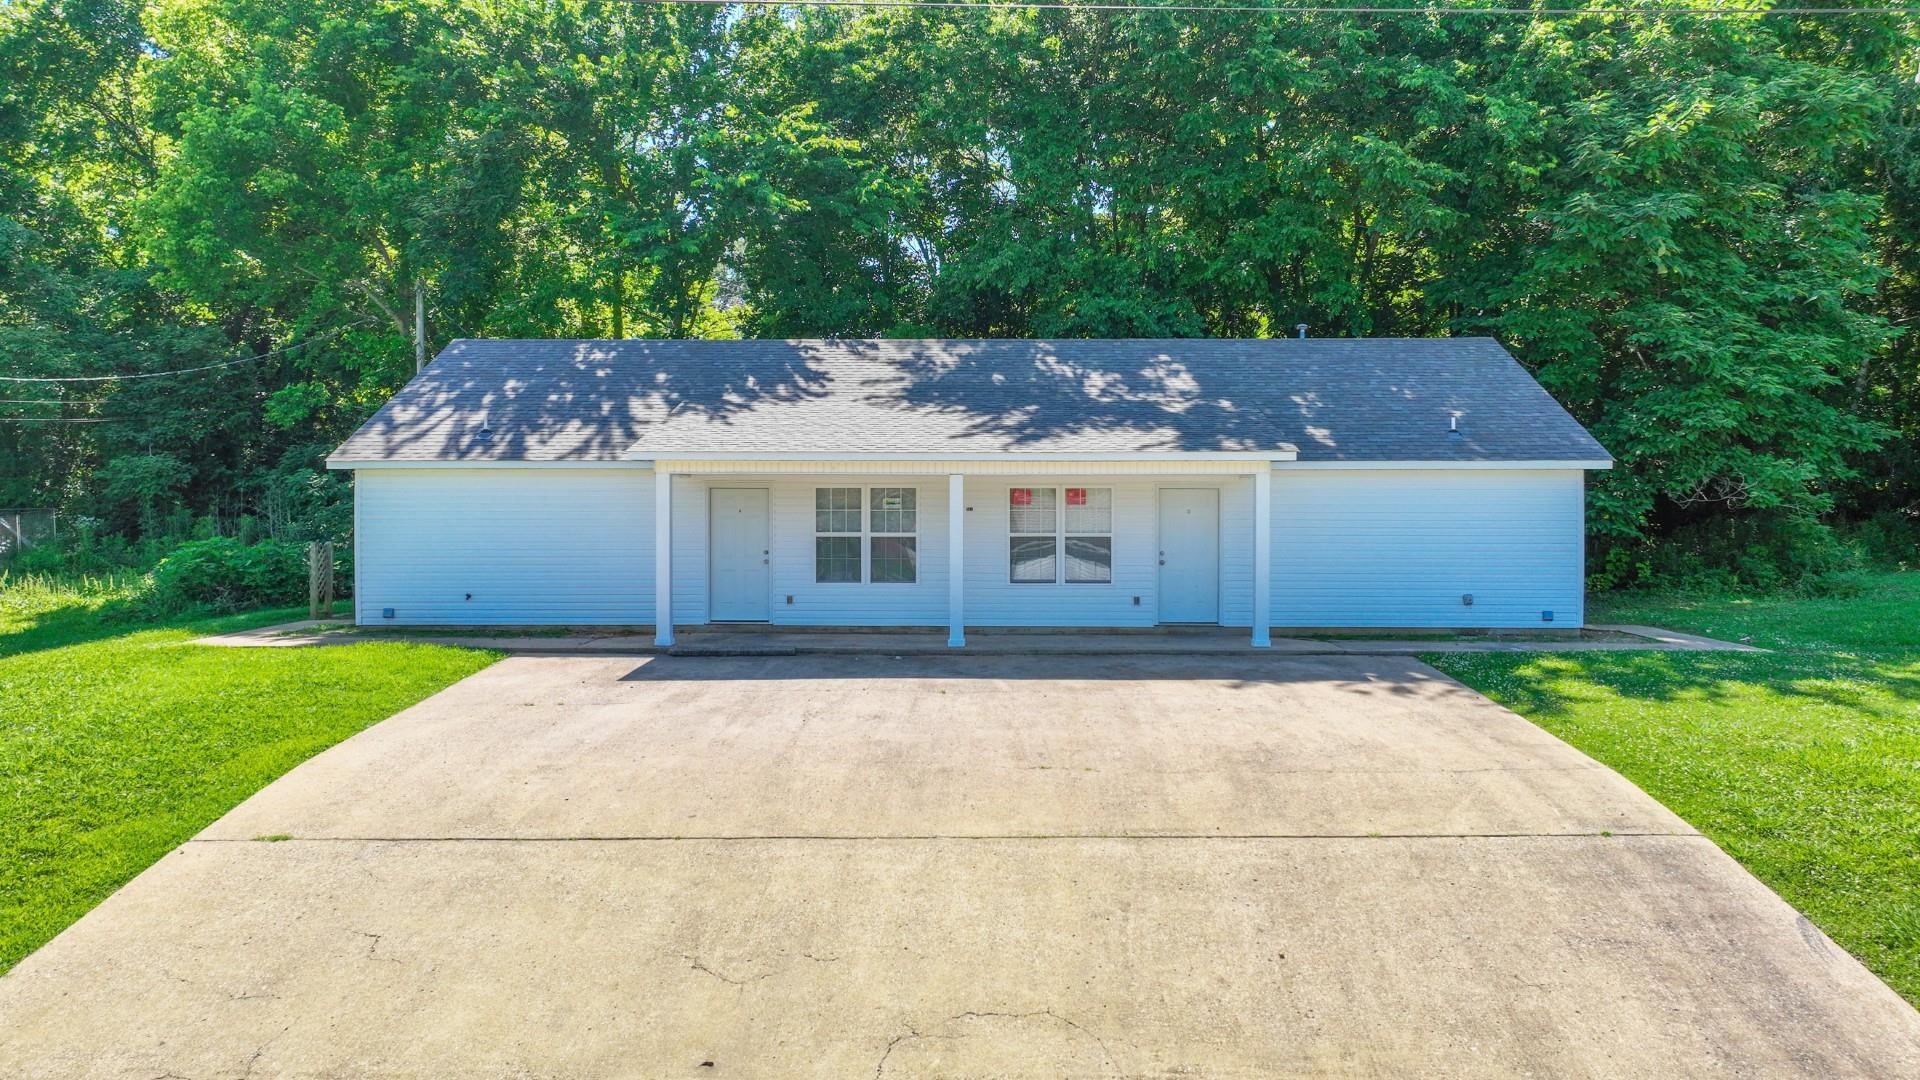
1023, 496
1076, 496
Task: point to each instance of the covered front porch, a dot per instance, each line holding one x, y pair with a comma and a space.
1006, 541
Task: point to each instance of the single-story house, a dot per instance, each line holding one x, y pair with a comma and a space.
1274, 483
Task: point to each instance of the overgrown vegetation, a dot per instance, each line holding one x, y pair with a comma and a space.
1701, 233
223, 574
159, 577
1760, 555
1803, 763
119, 741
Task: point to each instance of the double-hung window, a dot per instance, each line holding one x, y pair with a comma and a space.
836, 534
1088, 535
1033, 535
866, 535
893, 544
1059, 535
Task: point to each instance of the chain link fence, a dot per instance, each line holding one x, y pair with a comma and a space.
23, 527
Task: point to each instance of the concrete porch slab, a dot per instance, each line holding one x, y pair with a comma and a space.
770, 642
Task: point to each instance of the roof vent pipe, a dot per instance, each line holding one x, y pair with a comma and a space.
1300, 328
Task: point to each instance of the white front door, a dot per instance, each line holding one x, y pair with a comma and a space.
739, 552
1189, 555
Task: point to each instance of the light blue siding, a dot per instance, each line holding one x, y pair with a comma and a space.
1351, 548
922, 603
1400, 547
530, 546
993, 600
690, 550
1236, 551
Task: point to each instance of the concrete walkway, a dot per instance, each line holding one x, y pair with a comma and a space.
768, 642
824, 866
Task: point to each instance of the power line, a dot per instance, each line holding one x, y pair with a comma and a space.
1277, 9
59, 419
181, 371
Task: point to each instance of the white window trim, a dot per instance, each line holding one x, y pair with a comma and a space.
1060, 532
839, 534
866, 535
869, 533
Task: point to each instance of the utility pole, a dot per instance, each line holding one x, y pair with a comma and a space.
419, 325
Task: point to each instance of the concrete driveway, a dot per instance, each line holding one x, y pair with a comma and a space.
950, 867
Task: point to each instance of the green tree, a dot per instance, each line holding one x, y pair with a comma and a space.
1692, 277
1702, 234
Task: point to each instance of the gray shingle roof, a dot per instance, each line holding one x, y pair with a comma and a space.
1331, 399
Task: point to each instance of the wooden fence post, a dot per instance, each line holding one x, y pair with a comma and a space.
320, 579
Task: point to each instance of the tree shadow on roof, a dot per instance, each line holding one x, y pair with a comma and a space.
573, 400
1250, 396
1330, 399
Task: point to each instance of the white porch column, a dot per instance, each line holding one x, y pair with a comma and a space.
662, 557
956, 560
1263, 556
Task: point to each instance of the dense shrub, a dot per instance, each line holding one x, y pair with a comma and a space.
82, 546
218, 572
226, 575
1890, 538
1756, 553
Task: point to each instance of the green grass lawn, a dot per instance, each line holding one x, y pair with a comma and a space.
118, 741
1803, 763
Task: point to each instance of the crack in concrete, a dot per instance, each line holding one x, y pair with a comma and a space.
233, 995
880, 1068
1595, 834
373, 947
913, 1033
1105, 1054
700, 966
260, 1051
1283, 771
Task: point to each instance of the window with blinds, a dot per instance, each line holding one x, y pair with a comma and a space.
866, 535
1059, 535
892, 543
836, 535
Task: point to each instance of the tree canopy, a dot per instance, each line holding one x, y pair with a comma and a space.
1701, 233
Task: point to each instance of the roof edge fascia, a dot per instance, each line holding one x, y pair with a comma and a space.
1053, 456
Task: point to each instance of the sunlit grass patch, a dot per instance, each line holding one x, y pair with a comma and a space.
1803, 762
118, 740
